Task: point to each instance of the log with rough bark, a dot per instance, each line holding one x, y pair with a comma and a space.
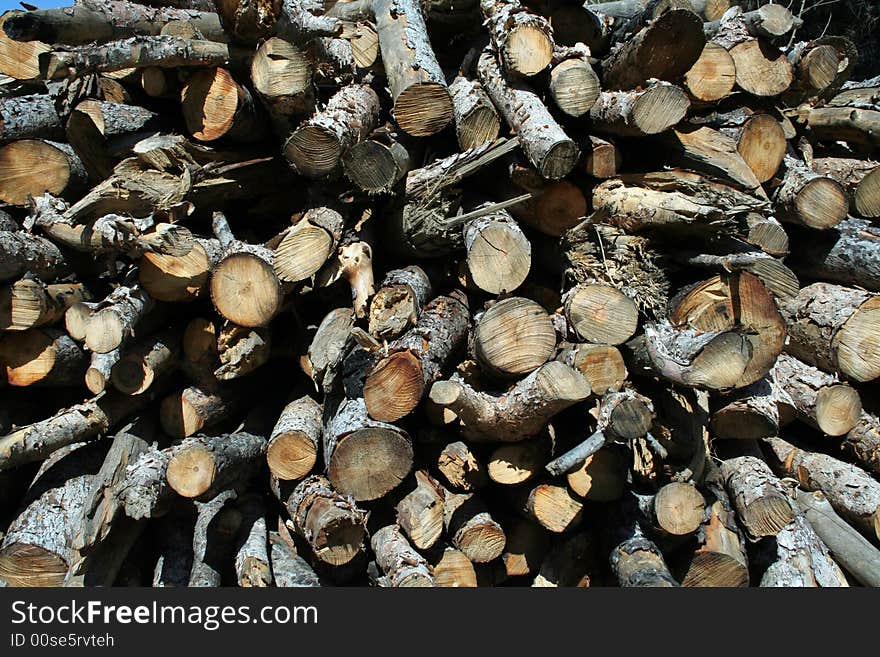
29, 117
217, 524
398, 302
863, 442
762, 505
861, 178
635, 559
401, 564
252, 565
113, 321
648, 111
202, 466
476, 119
799, 559
289, 569
294, 443
523, 39
138, 368
421, 511
144, 491
471, 528
808, 198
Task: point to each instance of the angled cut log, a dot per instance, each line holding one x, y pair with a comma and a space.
761, 504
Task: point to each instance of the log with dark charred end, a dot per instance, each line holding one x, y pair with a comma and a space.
422, 105
37, 549
602, 159
639, 113
282, 77
139, 367
144, 491
113, 322
202, 466
397, 383
476, 120
834, 328
600, 477
849, 548
41, 356
398, 302
178, 278
293, 444
715, 154
513, 337
190, 410
499, 255
635, 560
516, 463
401, 564
574, 85
217, 524
761, 504
472, 529
523, 39
748, 413
377, 163
365, 458
30, 303
550, 505
861, 178
808, 198
307, 245
316, 147
602, 365
461, 467
20, 60
554, 206
543, 141
215, 106
601, 314
289, 569
454, 570
863, 442
420, 512
521, 412
252, 565
712, 76
852, 492
32, 167
815, 397
28, 117
23, 252
799, 559
244, 286
329, 522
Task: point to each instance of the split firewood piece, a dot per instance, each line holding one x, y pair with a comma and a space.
808, 198
527, 545
555, 206
329, 522
30, 303
761, 503
100, 370
241, 350
798, 559
635, 560
217, 524
835, 328
476, 120
863, 442
600, 477
377, 163
106, 20
397, 383
574, 85
401, 564
720, 559
41, 356
513, 337
144, 491
521, 412
861, 178
398, 302
715, 154
422, 105
601, 314
517, 463
552, 152
29, 117
190, 410
32, 167
21, 253
252, 565
289, 569
175, 548
602, 365
472, 529
735, 301
282, 77
523, 39
461, 467
420, 512
79, 423
550, 505
712, 76
136, 370
316, 147
852, 492
214, 105
815, 397
766, 233
113, 321
750, 412
662, 41
454, 570
178, 278
293, 444
37, 549
201, 466
857, 556
602, 158
307, 245
499, 255
365, 458
244, 286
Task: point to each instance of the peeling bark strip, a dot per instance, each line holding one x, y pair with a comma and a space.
524, 39
28, 117
422, 105
519, 413
761, 503
293, 445
543, 141
836, 329
397, 383
316, 147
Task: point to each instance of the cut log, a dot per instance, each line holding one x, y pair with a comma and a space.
750, 412
454, 570
551, 506
520, 413
524, 40
42, 356
112, 323
543, 141
398, 302
600, 477
402, 565
215, 106
217, 525
316, 147
472, 529
635, 560
712, 76
138, 368
800, 559
378, 163
761, 70
365, 458
202, 466
714, 153
422, 104
499, 255
574, 85
601, 314
861, 178
19, 60
29, 117
845, 254
602, 365
761, 504
30, 303
397, 383
476, 120
252, 565
639, 113
293, 444
678, 509
513, 337
461, 467
420, 512
572, 563
282, 77
308, 244
190, 410
517, 463
810, 199
863, 442
856, 125
834, 328
32, 167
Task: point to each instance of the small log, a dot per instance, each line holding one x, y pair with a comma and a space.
32, 167
292, 450
454, 570
712, 76
809, 199
516, 463
863, 442
41, 356
242, 350
365, 458
112, 322
202, 466
420, 512
523, 39
602, 159
476, 120
289, 569
19, 60
834, 328
601, 314
307, 245
282, 77
139, 367
29, 117
513, 337
715, 154
749, 413
602, 365
762, 506
551, 506
30, 303
574, 85
328, 347
179, 278
23, 252
401, 564
461, 467
600, 477
397, 383
252, 565
677, 509
215, 106
190, 410
520, 413
855, 125
861, 178
377, 163
472, 529
217, 525
398, 302
499, 255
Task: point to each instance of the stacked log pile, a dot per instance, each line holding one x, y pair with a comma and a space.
399, 293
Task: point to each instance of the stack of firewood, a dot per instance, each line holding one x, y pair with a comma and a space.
436, 293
